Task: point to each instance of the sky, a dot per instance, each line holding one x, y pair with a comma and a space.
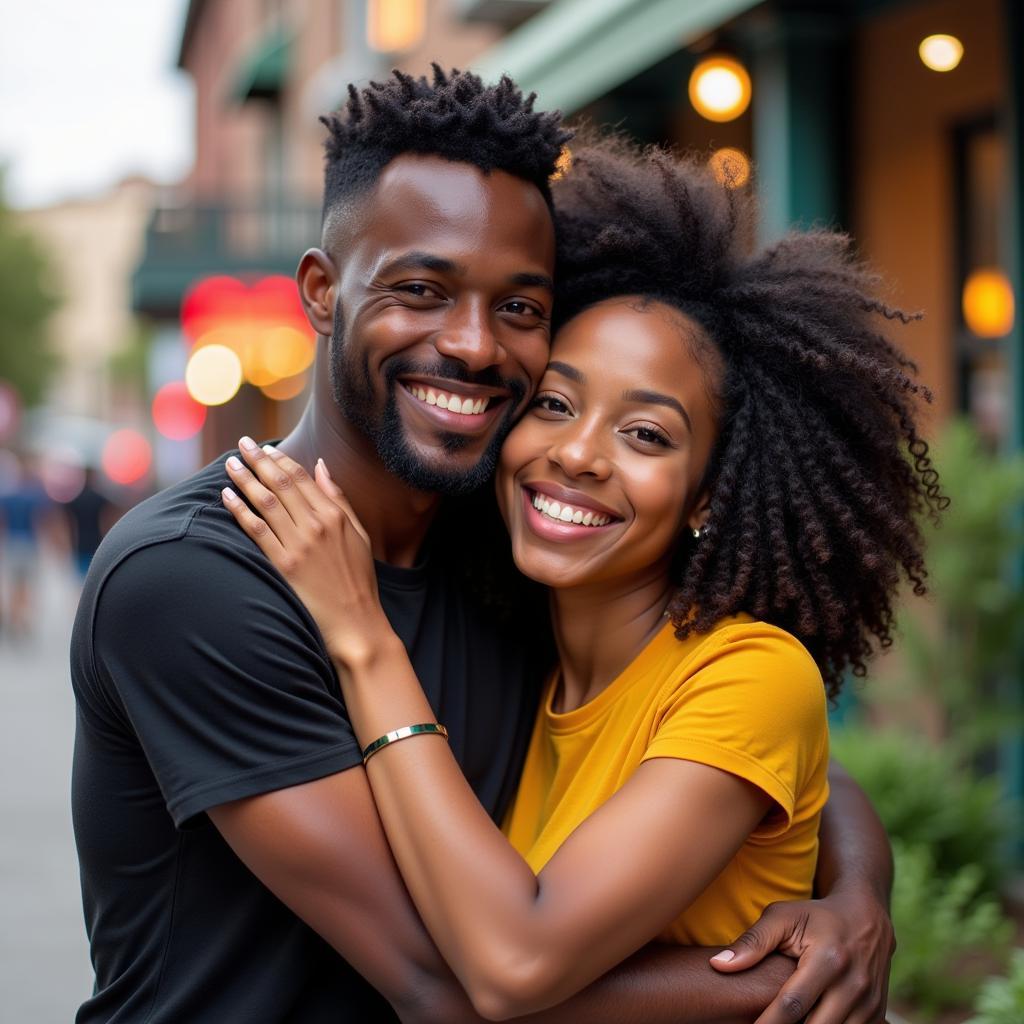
90, 94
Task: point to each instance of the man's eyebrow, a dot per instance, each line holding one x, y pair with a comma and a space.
422, 261
567, 371
657, 398
533, 281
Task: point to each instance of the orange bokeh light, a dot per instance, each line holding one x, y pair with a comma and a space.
263, 323
289, 387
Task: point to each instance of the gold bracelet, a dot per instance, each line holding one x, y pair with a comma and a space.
404, 733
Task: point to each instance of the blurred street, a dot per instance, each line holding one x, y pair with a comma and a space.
44, 962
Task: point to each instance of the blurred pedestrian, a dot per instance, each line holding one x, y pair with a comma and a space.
90, 514
23, 508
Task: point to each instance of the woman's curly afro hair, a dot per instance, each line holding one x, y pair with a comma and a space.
818, 477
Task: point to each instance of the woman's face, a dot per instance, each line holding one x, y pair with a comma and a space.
600, 476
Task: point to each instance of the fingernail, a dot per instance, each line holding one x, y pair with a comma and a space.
270, 449
326, 470
229, 494
724, 957
248, 444
235, 463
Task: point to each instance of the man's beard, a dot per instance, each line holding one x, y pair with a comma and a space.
352, 390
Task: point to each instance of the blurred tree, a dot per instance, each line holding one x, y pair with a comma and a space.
27, 298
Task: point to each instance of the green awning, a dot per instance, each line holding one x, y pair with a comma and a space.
574, 51
262, 72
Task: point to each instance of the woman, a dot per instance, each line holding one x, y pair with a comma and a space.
713, 484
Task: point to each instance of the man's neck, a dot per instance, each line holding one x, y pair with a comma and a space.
396, 516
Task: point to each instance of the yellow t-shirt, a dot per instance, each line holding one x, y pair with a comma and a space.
746, 698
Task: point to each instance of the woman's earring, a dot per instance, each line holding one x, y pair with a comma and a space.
696, 533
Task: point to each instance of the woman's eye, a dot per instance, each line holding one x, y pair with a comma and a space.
550, 404
648, 435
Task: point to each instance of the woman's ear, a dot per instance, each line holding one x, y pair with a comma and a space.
317, 278
698, 517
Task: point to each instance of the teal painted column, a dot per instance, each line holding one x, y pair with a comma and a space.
1013, 754
799, 124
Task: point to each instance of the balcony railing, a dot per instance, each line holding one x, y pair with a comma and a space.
184, 243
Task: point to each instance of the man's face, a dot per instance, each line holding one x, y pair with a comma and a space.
441, 325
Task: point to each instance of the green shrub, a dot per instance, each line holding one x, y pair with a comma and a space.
1001, 1000
942, 924
963, 650
925, 799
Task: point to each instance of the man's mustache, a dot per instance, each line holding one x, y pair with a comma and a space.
456, 372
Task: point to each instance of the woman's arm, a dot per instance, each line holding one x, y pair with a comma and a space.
516, 941
305, 547
520, 942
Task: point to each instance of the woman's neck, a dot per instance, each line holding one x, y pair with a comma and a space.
600, 629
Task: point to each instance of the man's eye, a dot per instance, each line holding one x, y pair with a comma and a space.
520, 308
421, 291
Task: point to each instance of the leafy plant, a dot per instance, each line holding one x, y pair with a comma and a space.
926, 799
942, 926
964, 649
1001, 1000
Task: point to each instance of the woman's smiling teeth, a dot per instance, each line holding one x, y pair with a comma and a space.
568, 514
448, 400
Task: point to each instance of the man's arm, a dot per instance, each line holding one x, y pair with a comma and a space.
844, 940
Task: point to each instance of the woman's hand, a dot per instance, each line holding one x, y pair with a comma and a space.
308, 530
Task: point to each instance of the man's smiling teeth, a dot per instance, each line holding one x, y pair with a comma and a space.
568, 514
446, 400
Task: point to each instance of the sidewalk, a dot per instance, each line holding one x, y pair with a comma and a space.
44, 959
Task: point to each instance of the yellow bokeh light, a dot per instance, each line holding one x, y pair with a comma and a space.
940, 52
563, 165
287, 351
720, 88
229, 337
395, 25
988, 303
731, 167
289, 387
213, 374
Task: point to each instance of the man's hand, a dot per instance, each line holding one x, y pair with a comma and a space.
843, 945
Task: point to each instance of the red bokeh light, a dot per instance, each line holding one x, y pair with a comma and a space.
126, 457
176, 414
226, 302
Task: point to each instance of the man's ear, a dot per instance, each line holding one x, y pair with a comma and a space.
317, 278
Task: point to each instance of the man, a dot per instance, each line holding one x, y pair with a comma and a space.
230, 847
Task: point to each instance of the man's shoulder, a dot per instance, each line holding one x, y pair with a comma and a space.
188, 511
176, 553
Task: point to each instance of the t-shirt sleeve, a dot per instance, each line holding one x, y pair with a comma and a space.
220, 672
752, 705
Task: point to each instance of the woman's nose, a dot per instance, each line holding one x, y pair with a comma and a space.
580, 453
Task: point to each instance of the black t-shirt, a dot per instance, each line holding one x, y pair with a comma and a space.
200, 678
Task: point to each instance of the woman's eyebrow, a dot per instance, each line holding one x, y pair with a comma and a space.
567, 371
657, 398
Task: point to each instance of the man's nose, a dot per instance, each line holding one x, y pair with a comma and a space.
469, 337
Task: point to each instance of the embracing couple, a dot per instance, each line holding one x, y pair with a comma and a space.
344, 753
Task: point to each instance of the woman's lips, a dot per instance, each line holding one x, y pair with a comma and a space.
554, 520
